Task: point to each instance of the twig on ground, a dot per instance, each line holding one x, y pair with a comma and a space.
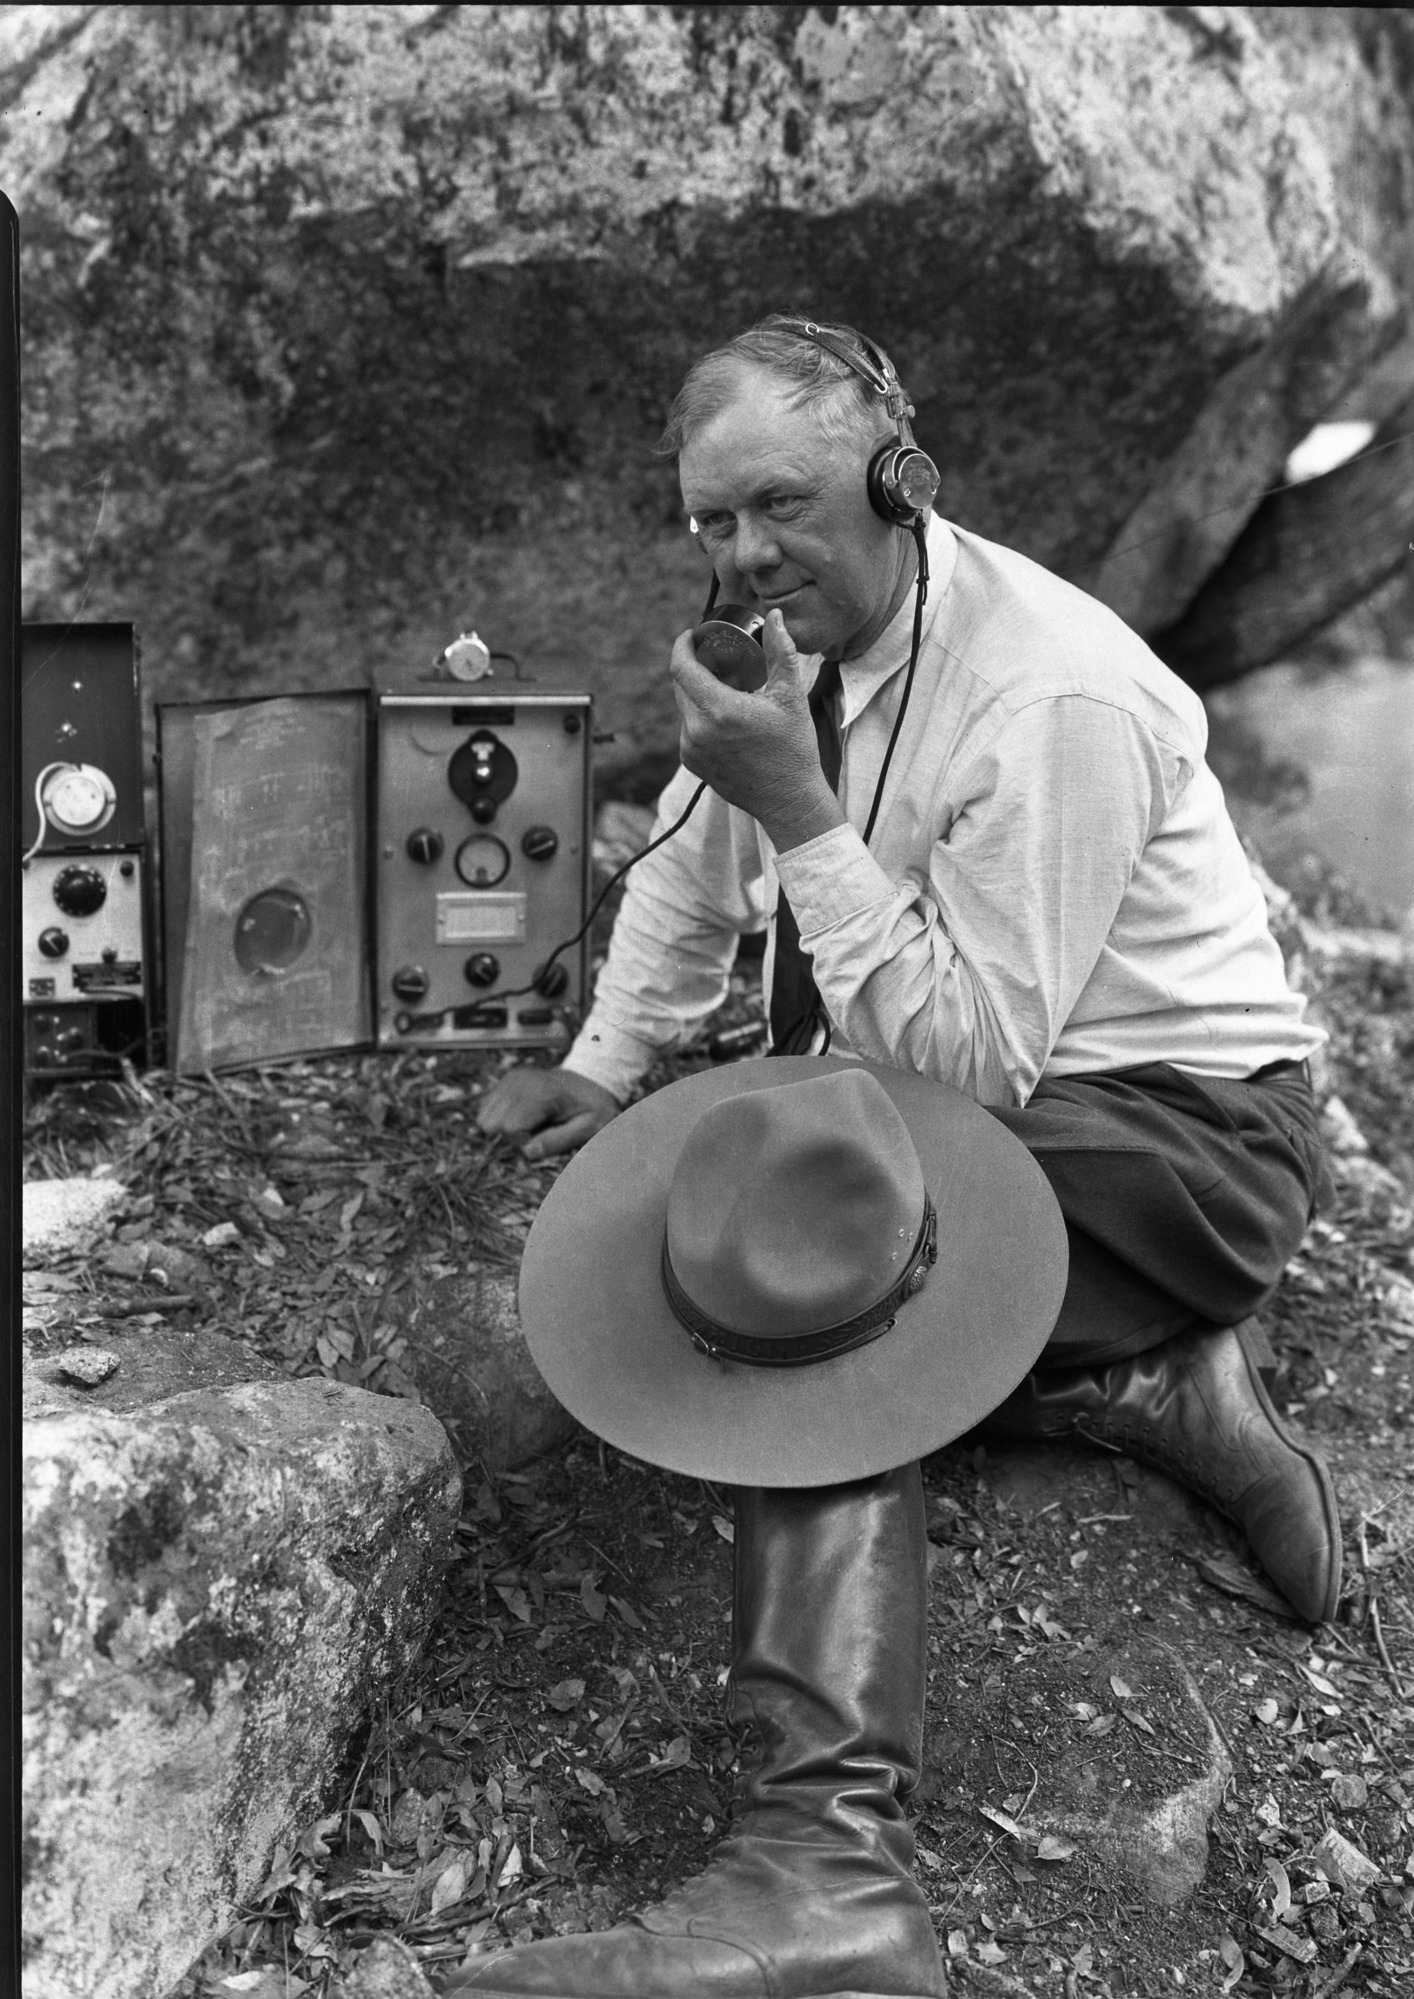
1372, 1610
160, 1301
1383, 1649
1331, 1985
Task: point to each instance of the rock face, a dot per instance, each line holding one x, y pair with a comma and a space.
63, 1217
349, 328
471, 1365
213, 1595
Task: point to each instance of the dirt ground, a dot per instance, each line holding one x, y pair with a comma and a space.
561, 1754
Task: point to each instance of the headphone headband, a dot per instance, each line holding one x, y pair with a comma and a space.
872, 365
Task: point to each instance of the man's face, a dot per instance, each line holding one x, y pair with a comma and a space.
784, 513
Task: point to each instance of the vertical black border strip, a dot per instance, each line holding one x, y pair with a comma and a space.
11, 1098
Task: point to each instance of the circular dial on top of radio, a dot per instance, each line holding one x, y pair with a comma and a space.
79, 798
483, 860
80, 891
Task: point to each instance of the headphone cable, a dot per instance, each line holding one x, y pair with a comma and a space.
803, 1029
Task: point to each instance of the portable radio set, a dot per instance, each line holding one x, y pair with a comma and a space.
390, 868
400, 868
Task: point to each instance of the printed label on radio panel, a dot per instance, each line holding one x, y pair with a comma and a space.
476, 919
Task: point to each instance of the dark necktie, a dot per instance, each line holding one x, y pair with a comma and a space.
796, 1006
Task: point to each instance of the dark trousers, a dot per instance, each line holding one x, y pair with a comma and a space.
1184, 1197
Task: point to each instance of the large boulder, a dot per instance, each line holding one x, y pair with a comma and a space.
467, 1354
216, 1591
349, 327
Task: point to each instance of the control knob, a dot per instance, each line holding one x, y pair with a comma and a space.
410, 982
424, 845
482, 968
551, 981
540, 843
53, 942
80, 891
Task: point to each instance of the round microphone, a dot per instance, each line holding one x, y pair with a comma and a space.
727, 646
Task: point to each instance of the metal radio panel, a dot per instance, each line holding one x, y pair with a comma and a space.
80, 738
482, 869
82, 935
264, 807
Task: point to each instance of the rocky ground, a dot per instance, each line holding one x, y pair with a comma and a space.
1107, 1668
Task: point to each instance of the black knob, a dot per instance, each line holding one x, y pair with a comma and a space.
482, 969
53, 942
126, 870
572, 725
551, 981
80, 891
482, 768
483, 810
410, 982
109, 954
540, 843
424, 845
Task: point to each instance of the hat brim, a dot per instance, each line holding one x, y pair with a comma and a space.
603, 1335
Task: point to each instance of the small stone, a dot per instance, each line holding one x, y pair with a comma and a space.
386, 1970
221, 1236
1338, 1127
88, 1365
1342, 1862
66, 1215
124, 1259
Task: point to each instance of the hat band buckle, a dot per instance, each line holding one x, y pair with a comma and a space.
721, 1342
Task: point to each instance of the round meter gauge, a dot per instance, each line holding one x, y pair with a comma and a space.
483, 860
78, 798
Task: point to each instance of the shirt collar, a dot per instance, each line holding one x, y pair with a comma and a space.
862, 677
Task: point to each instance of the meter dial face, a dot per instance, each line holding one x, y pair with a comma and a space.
483, 860
79, 799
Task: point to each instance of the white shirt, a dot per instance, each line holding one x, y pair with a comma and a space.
1053, 886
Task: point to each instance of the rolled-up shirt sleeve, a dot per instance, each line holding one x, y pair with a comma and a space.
967, 970
685, 907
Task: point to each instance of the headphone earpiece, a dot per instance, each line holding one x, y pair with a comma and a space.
902, 480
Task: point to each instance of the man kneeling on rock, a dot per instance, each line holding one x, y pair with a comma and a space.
972, 810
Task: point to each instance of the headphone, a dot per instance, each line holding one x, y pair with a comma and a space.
903, 480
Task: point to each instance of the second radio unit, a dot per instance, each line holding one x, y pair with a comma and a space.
483, 848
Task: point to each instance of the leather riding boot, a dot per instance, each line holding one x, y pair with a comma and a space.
811, 1894
1197, 1407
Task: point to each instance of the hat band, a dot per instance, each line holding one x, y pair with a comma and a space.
722, 1343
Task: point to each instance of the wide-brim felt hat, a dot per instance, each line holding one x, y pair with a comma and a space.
652, 1377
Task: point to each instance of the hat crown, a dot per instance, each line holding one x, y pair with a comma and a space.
793, 1209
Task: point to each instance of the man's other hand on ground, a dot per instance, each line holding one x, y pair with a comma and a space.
546, 1110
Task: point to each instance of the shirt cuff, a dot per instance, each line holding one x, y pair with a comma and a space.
610, 1057
831, 878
